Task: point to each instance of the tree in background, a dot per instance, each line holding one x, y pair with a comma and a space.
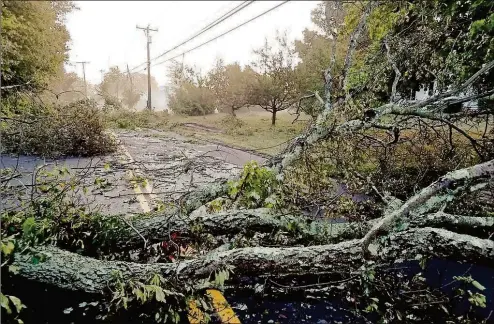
119, 88
190, 92
230, 84
67, 88
275, 87
34, 41
318, 49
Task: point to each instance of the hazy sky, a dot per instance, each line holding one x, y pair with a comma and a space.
104, 32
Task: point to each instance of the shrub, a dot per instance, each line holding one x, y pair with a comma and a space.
76, 129
127, 119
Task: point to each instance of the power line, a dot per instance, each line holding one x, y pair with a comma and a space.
221, 35
227, 15
221, 9
212, 24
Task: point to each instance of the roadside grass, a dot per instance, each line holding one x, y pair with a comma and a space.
250, 129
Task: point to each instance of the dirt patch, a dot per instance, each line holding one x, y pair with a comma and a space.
203, 127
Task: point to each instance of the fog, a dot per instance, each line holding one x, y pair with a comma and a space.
158, 100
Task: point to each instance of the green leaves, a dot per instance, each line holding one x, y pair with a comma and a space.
477, 285
477, 299
159, 295
27, 28
156, 291
29, 227
7, 248
17, 303
256, 187
6, 300
5, 303
220, 278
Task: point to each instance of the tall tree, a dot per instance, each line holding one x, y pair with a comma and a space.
119, 87
67, 87
189, 92
229, 84
34, 41
274, 87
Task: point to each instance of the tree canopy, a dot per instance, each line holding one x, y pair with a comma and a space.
34, 41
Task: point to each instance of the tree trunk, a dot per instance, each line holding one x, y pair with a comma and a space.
273, 116
233, 112
75, 272
298, 229
230, 223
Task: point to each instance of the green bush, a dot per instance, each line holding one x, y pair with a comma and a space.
127, 119
76, 129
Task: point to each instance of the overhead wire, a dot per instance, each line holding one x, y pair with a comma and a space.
209, 26
219, 20
223, 34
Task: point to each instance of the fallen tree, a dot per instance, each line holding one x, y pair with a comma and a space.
419, 226
92, 275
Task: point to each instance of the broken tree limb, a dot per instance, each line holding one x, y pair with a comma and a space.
205, 194
72, 271
481, 227
262, 220
354, 41
476, 226
297, 229
471, 173
320, 130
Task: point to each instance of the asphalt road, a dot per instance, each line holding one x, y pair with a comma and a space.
171, 164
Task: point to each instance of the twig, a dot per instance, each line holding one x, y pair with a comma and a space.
315, 285
135, 230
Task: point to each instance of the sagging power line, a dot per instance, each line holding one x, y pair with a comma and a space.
216, 22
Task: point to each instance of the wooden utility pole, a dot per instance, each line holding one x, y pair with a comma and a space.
148, 36
130, 79
84, 75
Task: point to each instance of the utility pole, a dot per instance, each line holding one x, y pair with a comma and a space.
130, 79
148, 36
84, 75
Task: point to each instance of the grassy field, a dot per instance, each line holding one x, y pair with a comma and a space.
251, 129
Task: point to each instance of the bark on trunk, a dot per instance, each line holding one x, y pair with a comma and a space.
75, 272
273, 116
298, 229
261, 220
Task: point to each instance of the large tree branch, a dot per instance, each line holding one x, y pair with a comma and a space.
320, 130
395, 68
453, 178
75, 272
296, 229
354, 41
